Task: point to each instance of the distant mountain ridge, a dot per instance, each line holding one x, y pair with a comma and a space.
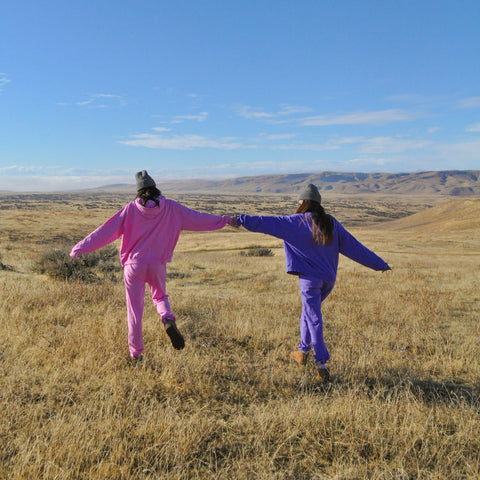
460, 183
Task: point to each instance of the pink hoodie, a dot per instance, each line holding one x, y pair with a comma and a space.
150, 233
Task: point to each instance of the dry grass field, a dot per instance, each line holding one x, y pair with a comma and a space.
404, 400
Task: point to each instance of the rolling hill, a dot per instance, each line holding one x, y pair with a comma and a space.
461, 183
460, 214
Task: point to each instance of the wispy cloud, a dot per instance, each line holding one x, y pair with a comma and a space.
200, 117
20, 169
378, 117
181, 142
471, 102
259, 113
61, 170
370, 162
332, 144
54, 178
101, 100
265, 167
263, 141
280, 136
474, 128
3, 80
284, 115
362, 145
313, 147
467, 151
408, 98
347, 140
382, 145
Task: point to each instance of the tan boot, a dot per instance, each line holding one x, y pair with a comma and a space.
323, 374
300, 357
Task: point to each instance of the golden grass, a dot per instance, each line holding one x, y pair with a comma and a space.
403, 404
454, 215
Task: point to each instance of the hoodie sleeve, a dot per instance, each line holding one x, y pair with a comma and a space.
103, 235
353, 249
200, 221
275, 226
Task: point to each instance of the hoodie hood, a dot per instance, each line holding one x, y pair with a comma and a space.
150, 209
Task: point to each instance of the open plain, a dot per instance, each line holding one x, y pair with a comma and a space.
403, 404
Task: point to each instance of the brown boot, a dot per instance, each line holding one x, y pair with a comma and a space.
323, 374
176, 337
300, 357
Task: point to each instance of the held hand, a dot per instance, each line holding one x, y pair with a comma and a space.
233, 222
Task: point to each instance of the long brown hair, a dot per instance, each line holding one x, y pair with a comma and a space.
322, 222
149, 193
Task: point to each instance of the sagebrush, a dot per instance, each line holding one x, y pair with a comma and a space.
90, 268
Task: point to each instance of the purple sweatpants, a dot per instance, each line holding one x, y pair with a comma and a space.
313, 291
135, 277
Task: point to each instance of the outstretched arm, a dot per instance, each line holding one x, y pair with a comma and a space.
280, 227
353, 249
103, 235
200, 221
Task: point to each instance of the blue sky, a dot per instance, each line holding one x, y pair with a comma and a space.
93, 91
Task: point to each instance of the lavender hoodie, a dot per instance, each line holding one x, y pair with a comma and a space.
302, 255
150, 233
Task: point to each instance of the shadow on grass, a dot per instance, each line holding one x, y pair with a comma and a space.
241, 381
429, 391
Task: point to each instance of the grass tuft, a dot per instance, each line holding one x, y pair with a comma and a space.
257, 252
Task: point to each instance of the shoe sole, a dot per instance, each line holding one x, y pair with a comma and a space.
176, 338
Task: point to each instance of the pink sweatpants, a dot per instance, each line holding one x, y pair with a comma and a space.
135, 277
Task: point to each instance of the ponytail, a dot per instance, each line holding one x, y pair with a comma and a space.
322, 223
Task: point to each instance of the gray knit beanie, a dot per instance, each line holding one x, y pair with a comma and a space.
310, 192
144, 180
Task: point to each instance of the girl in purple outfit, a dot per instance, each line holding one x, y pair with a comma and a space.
313, 241
150, 227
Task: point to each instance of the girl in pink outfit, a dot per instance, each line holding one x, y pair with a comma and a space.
150, 227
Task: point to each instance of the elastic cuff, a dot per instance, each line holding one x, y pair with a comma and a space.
171, 319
